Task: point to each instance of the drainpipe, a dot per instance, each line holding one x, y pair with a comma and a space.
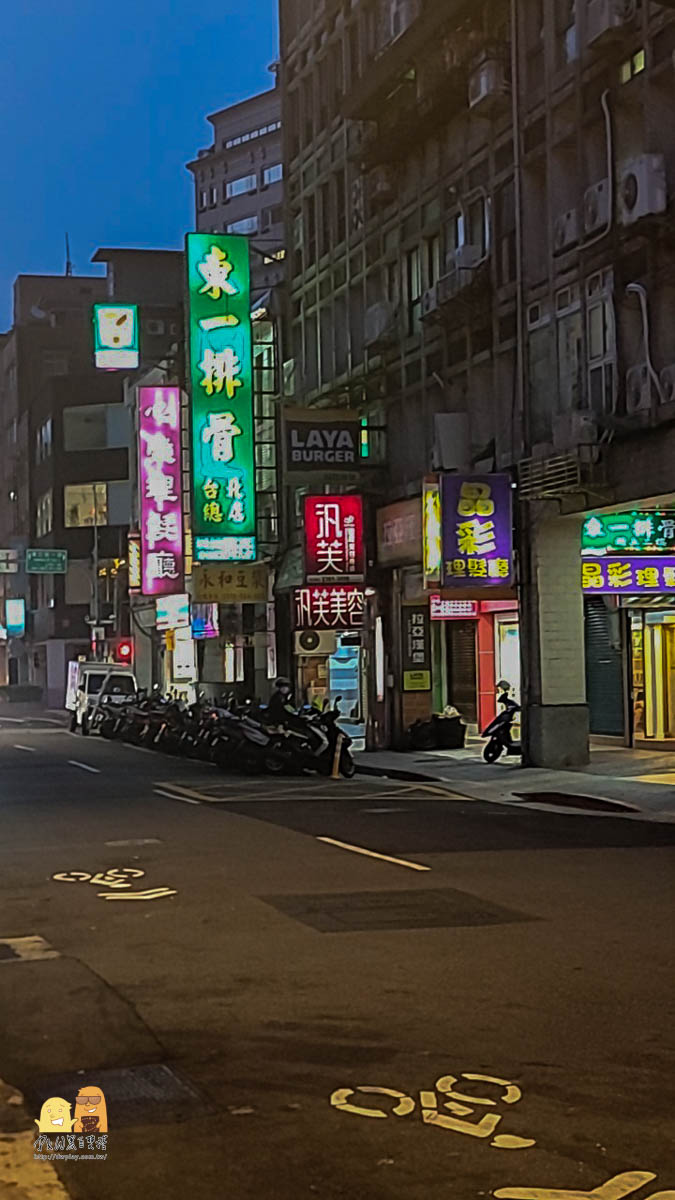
609, 140
641, 292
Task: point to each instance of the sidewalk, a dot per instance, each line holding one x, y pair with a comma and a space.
634, 783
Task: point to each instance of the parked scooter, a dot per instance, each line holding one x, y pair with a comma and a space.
499, 730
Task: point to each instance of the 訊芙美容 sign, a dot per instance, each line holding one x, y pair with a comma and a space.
221, 382
632, 575
116, 336
331, 607
334, 551
477, 531
159, 460
628, 533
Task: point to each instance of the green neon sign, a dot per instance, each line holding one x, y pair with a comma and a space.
221, 379
629, 532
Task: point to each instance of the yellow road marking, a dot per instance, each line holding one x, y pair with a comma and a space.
615, 1188
183, 791
150, 894
399, 862
667, 778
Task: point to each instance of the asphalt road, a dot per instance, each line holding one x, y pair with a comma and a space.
290, 942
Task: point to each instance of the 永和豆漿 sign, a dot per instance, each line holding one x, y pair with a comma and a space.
223, 468
477, 531
160, 490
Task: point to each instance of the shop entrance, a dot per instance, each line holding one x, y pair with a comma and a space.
336, 671
653, 675
460, 641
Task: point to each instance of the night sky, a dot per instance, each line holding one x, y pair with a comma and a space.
101, 105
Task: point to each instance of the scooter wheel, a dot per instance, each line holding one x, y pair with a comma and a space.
73, 723
492, 751
347, 765
273, 765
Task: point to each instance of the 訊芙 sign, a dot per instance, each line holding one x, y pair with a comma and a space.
332, 607
221, 376
334, 551
628, 533
321, 440
416, 659
159, 461
633, 575
116, 336
477, 531
46, 562
245, 584
172, 612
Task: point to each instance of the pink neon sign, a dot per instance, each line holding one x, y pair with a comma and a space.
160, 479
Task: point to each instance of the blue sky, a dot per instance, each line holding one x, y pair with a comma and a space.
101, 105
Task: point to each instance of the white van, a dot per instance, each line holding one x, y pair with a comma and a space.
94, 681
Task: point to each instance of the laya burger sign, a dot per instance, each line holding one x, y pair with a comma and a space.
328, 439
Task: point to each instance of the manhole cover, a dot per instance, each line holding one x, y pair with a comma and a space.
6, 951
440, 908
569, 801
149, 1095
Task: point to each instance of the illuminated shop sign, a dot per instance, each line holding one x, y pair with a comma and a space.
628, 533
477, 531
322, 440
134, 562
116, 336
159, 460
329, 607
334, 550
221, 377
15, 617
632, 575
451, 610
431, 532
172, 612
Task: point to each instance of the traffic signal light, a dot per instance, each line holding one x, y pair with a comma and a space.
124, 651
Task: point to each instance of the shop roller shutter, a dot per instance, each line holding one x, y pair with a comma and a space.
604, 672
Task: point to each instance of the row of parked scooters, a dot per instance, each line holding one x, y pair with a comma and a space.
237, 736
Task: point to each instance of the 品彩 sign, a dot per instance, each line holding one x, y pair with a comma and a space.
477, 531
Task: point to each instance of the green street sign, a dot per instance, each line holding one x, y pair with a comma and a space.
221, 386
46, 562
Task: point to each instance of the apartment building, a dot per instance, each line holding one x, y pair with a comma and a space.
238, 182
481, 267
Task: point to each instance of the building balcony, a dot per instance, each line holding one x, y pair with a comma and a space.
465, 283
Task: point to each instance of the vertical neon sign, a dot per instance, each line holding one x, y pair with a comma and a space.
221, 375
160, 482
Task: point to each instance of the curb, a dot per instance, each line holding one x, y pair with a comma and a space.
397, 773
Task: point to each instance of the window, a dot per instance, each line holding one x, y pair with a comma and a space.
633, 66
214, 196
244, 225
275, 256
96, 427
310, 230
273, 174
433, 259
43, 441
241, 186
271, 216
44, 518
54, 362
202, 199
85, 504
600, 340
570, 357
414, 290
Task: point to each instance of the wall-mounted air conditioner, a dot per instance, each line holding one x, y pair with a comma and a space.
596, 207
488, 87
565, 231
607, 19
642, 188
315, 642
638, 389
574, 428
464, 258
430, 301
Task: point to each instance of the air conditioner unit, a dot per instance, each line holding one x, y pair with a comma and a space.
488, 86
464, 258
574, 428
596, 207
642, 188
315, 642
607, 19
566, 231
668, 383
429, 302
380, 323
638, 390
452, 443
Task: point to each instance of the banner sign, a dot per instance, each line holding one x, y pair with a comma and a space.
246, 584
221, 377
116, 336
477, 531
159, 458
334, 551
321, 440
172, 612
329, 608
629, 533
633, 575
441, 609
416, 649
134, 561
